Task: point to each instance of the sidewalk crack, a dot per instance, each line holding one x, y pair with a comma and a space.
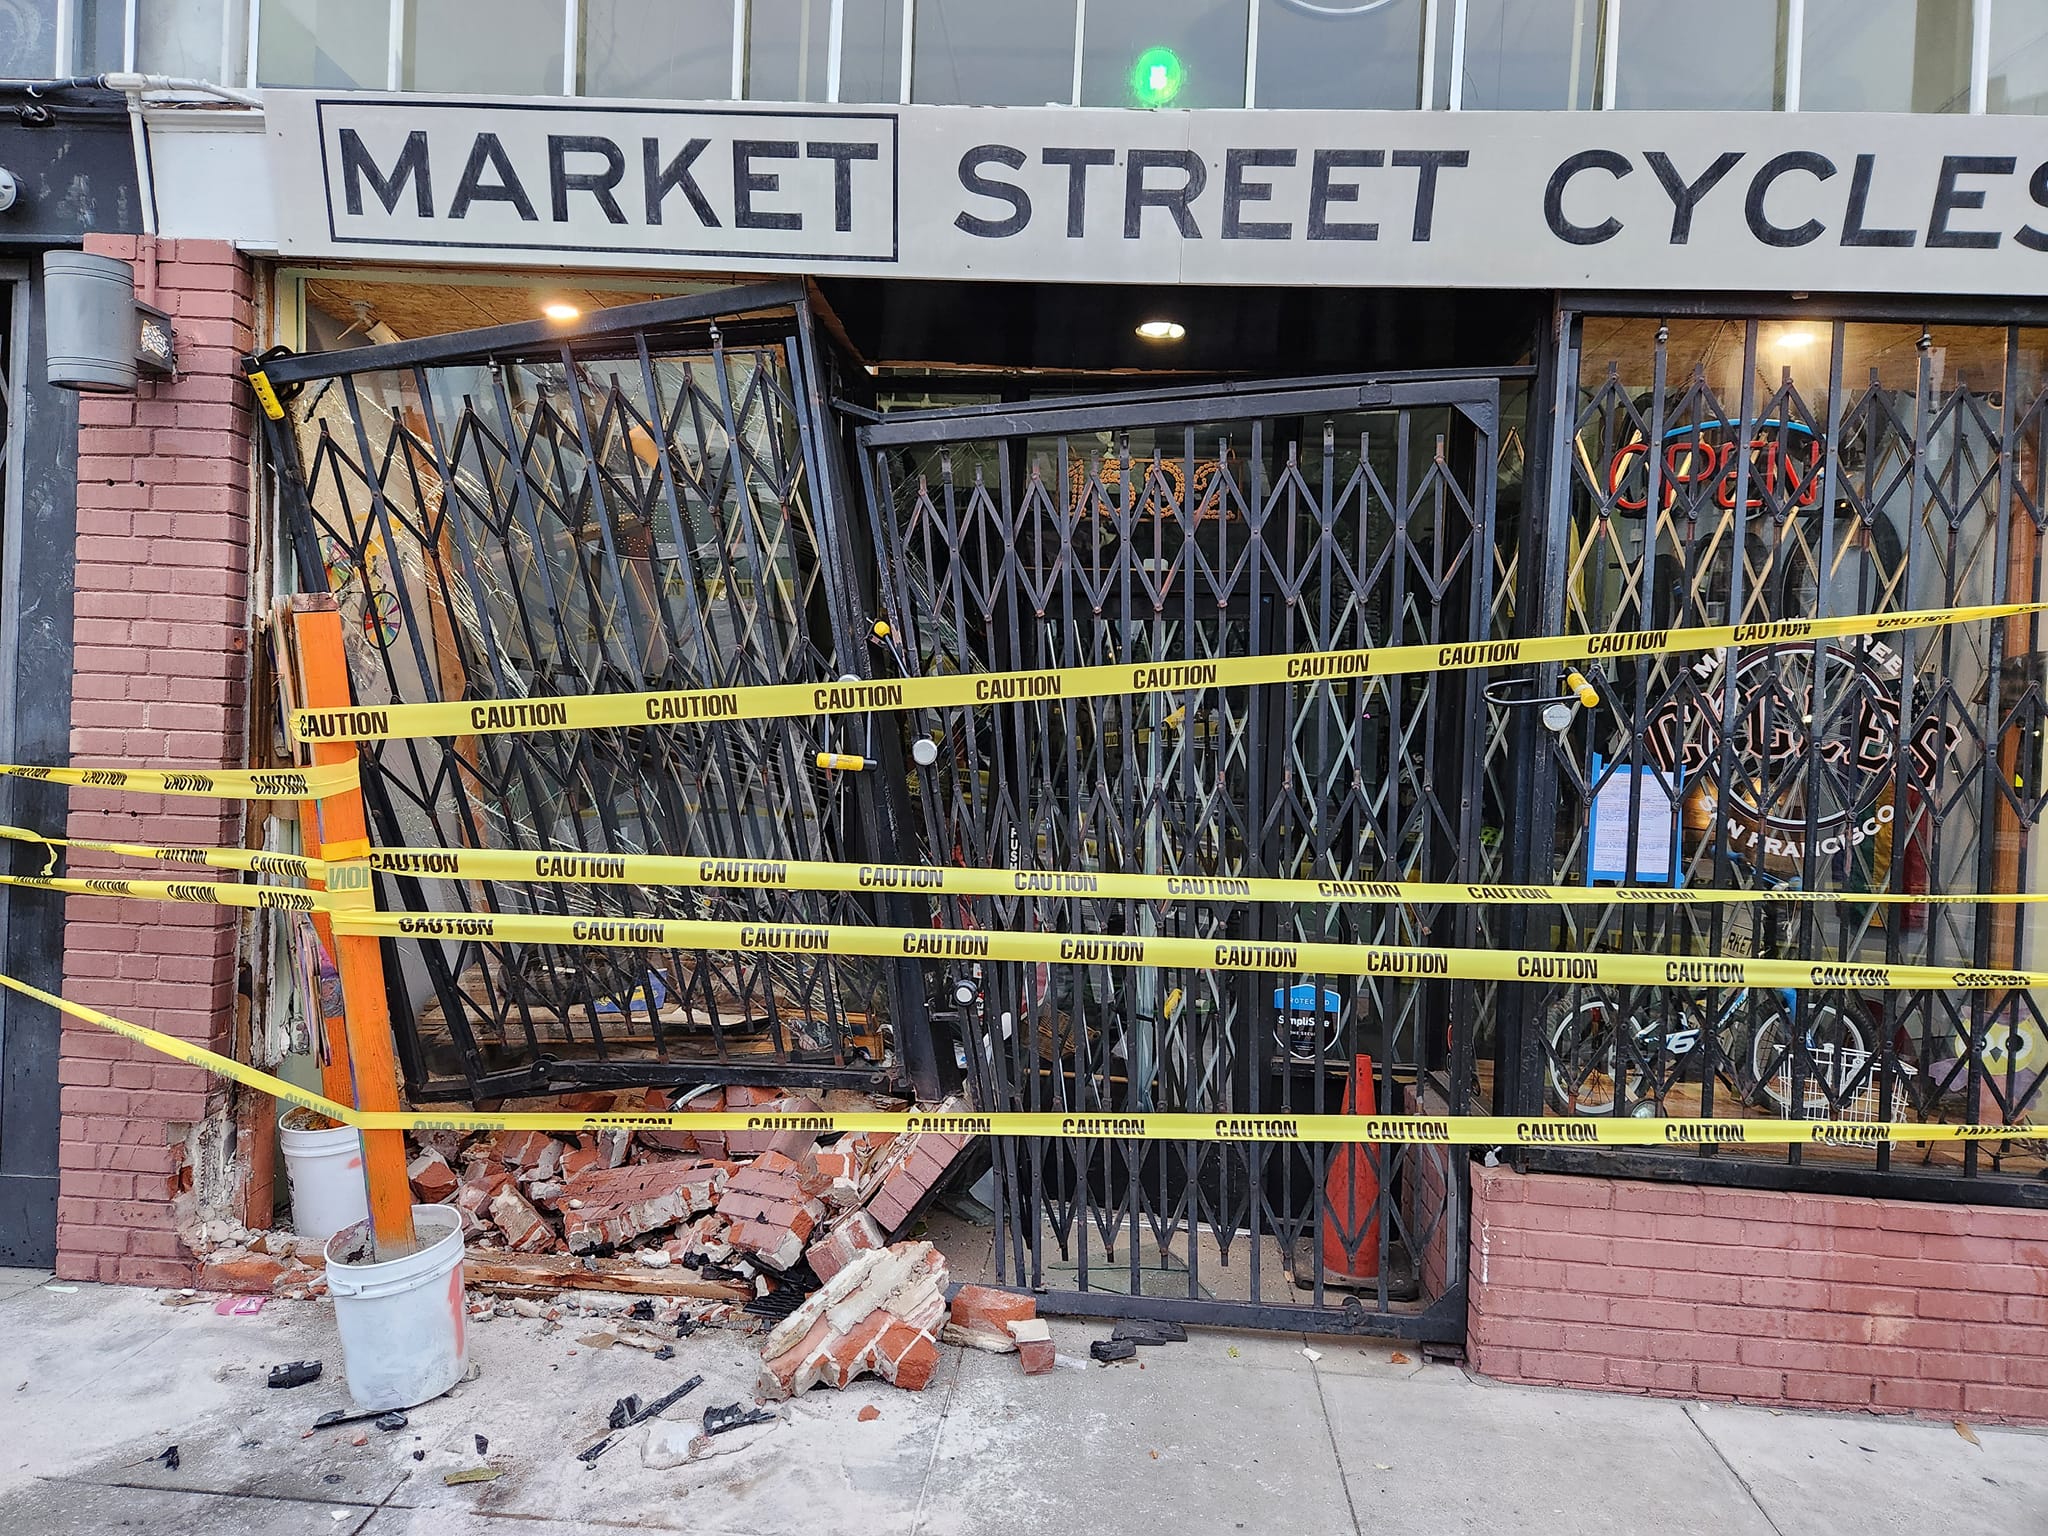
1741, 1481
1330, 1429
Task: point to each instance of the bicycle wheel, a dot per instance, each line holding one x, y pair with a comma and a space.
1580, 1033
1837, 1055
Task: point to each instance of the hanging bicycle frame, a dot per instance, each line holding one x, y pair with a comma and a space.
1174, 526
651, 499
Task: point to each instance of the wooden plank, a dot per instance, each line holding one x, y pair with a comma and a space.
372, 1052
488, 1271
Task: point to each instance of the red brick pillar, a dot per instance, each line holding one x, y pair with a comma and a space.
161, 635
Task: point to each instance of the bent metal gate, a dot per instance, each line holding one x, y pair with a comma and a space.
660, 498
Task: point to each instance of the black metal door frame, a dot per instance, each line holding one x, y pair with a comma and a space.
1004, 543
651, 498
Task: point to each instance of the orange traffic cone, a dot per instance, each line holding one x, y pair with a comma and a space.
1350, 1211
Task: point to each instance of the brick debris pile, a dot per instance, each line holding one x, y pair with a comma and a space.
771, 1231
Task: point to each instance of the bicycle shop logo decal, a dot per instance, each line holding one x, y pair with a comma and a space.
1781, 776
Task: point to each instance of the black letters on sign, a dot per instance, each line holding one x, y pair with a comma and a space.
1428, 162
663, 179
1819, 167
842, 157
1948, 199
1322, 192
1077, 162
1685, 195
1610, 161
746, 181
2034, 239
488, 154
1237, 192
1138, 197
356, 165
1002, 191
1853, 230
562, 181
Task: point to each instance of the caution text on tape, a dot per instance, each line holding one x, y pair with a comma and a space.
217, 783
1412, 1130
696, 706
1314, 958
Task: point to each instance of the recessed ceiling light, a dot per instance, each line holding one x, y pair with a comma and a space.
1162, 330
560, 311
1795, 338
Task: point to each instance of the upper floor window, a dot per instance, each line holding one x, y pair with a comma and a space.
1470, 55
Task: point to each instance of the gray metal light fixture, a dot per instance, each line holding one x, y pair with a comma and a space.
100, 339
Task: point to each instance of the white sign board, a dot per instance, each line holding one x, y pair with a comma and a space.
1817, 202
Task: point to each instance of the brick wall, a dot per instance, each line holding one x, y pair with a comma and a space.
161, 639
1819, 1301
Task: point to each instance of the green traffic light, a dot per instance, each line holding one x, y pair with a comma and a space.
1157, 77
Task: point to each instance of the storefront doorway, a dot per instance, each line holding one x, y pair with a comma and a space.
664, 497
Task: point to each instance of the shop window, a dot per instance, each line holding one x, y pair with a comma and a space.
993, 53
1163, 53
1854, 60
1680, 54
508, 47
193, 39
1531, 54
99, 36
325, 43
789, 50
2019, 57
677, 50
1338, 53
28, 40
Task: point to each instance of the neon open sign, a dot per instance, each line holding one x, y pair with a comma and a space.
1785, 459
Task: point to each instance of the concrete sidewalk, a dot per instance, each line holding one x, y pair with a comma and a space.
1227, 1432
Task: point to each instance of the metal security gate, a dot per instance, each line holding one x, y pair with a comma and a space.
650, 500
1173, 527
1734, 467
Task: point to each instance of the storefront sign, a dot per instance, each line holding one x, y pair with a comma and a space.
1817, 202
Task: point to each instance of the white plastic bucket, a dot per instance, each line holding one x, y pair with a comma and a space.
325, 1170
403, 1323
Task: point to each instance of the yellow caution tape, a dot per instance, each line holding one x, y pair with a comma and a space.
290, 864
1436, 1130
1309, 958
220, 783
205, 893
353, 914
664, 870
385, 722
650, 869
181, 1050
1442, 1130
1430, 1130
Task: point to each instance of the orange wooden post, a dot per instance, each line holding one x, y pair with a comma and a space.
344, 837
335, 1081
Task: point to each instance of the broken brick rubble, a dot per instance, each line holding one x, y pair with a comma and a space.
981, 1316
611, 1206
879, 1315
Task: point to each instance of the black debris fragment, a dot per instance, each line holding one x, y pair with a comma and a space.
629, 1410
419, 1455
718, 1421
483, 1446
391, 1421
1109, 1351
1149, 1330
294, 1374
666, 1352
169, 1457
641, 1311
625, 1411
